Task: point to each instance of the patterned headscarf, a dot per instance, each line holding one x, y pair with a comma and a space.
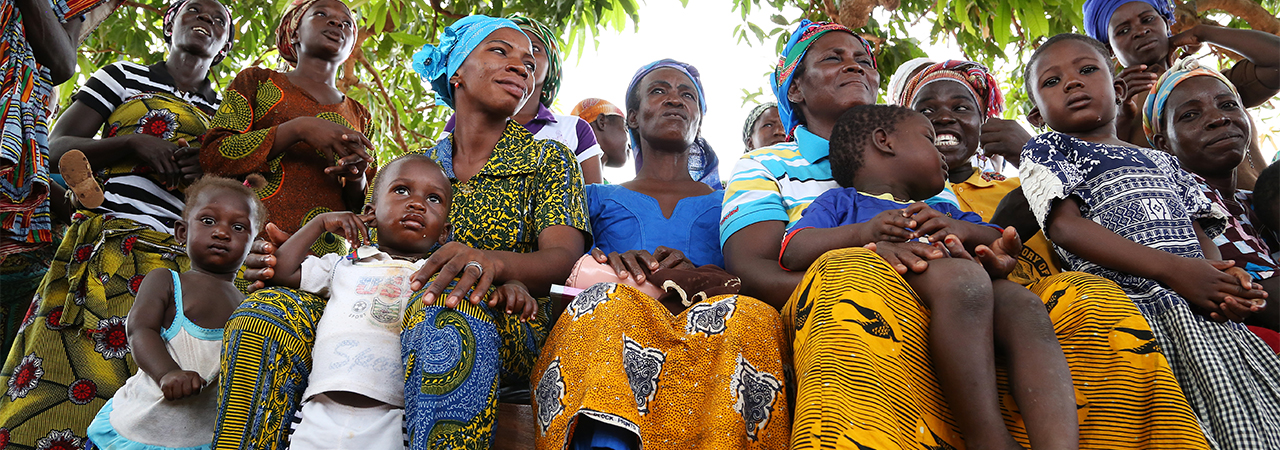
1182, 70
899, 78
437, 63
792, 54
289, 23
171, 14
592, 108
532, 27
704, 166
752, 117
981, 84
1097, 15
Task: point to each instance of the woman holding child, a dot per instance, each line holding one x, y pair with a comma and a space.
517, 219
860, 333
72, 355
622, 369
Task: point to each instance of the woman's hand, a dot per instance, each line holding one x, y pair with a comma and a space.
514, 298
180, 384
904, 256
638, 264
261, 262
159, 155
342, 145
473, 268
1005, 138
1137, 80
188, 161
1208, 286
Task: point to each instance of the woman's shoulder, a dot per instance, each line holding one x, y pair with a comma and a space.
257, 73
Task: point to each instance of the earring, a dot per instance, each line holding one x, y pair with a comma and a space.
457, 84
1119, 101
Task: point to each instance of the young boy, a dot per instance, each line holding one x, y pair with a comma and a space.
884, 157
355, 394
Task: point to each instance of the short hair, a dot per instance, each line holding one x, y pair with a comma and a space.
1027, 83
1266, 191
377, 178
209, 184
853, 134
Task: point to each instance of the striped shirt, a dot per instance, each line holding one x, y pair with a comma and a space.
128, 196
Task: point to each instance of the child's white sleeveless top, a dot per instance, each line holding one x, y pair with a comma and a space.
141, 414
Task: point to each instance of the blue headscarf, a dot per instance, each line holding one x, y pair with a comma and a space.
1097, 15
704, 166
792, 54
437, 63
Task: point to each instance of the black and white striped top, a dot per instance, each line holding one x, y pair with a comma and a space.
137, 197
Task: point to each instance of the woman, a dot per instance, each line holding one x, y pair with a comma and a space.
871, 382
296, 128
517, 214
725, 354
960, 98
608, 123
571, 131
72, 354
1195, 114
763, 127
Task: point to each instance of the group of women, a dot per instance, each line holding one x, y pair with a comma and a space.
737, 353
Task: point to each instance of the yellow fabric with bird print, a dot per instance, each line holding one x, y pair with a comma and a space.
864, 378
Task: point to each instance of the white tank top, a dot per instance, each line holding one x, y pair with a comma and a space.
141, 414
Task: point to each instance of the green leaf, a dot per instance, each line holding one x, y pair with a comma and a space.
409, 39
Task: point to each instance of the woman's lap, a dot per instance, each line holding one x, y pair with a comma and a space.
863, 372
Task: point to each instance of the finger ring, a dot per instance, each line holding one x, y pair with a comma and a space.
476, 265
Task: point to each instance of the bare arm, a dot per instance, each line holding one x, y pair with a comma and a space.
51, 40
289, 257
751, 253
591, 171
1256, 46
151, 307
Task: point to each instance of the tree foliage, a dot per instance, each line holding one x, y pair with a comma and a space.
378, 74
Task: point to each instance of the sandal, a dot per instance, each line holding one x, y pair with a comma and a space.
76, 171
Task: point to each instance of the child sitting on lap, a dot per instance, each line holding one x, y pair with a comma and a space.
884, 156
355, 394
175, 327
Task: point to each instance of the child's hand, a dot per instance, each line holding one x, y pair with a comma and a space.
930, 222
889, 226
348, 225
513, 297
903, 256
1207, 286
180, 384
1001, 257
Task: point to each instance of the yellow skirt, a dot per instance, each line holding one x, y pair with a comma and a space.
711, 377
864, 378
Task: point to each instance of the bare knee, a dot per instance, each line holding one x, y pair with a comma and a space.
1020, 309
954, 286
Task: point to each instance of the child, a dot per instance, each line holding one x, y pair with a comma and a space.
175, 327
884, 156
355, 393
1133, 216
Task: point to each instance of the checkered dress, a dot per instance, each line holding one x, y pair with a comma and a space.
1240, 241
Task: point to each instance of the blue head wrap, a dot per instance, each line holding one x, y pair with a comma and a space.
1097, 15
792, 55
704, 166
437, 63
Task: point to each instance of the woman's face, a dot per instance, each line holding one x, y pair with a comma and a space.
838, 74
498, 74
767, 130
543, 64
669, 113
327, 31
201, 28
1206, 127
1138, 34
956, 117
611, 134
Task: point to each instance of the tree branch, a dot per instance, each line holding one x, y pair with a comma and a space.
391, 106
146, 7
435, 5
1252, 13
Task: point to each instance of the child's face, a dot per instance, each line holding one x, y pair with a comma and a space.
1138, 34
1206, 127
956, 117
919, 162
327, 31
1072, 89
217, 232
412, 207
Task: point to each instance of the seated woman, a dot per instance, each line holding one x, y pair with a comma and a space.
72, 355
625, 370
1196, 115
763, 127
608, 123
859, 334
517, 215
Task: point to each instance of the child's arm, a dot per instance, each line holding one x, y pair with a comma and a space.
1197, 280
289, 257
514, 298
1256, 46
146, 317
937, 226
802, 247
